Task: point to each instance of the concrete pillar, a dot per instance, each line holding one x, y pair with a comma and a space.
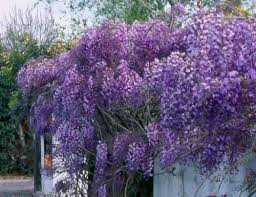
46, 175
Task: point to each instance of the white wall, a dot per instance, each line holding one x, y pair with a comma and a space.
187, 182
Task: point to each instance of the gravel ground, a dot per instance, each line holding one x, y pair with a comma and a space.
16, 187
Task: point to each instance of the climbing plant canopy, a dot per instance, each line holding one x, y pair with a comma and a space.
130, 94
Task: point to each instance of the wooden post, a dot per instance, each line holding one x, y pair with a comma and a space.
37, 165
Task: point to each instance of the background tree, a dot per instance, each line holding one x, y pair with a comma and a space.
24, 35
126, 10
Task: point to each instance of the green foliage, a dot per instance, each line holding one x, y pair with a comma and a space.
7, 137
126, 10
19, 42
130, 11
142, 10
11, 116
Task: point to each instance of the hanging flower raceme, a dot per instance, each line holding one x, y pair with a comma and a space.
146, 90
100, 165
122, 86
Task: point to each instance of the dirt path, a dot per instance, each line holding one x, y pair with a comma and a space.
16, 187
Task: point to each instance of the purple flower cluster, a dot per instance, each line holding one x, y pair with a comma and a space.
122, 86
149, 41
100, 165
153, 74
37, 74
206, 103
137, 44
120, 148
102, 191
107, 43
154, 134
179, 9
184, 94
139, 159
40, 115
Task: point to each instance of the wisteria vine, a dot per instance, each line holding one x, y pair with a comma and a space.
128, 94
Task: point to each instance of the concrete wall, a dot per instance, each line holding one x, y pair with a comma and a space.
187, 182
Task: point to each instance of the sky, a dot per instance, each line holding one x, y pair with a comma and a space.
7, 5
